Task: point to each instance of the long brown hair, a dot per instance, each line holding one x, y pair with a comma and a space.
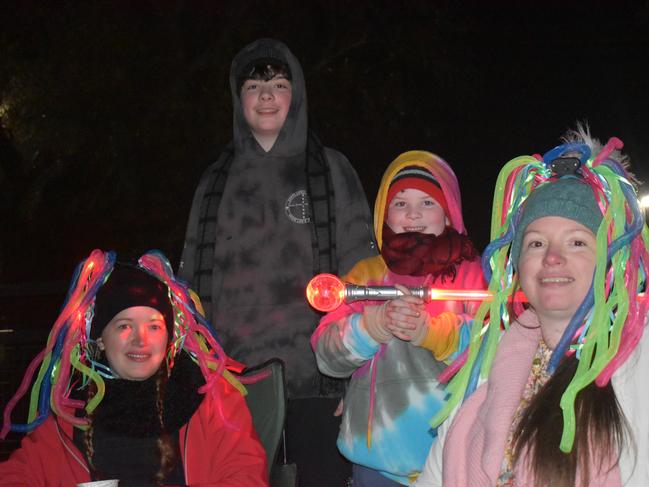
600, 431
166, 449
167, 454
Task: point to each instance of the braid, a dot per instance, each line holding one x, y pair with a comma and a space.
87, 435
166, 449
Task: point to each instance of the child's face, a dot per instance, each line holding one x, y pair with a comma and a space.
135, 342
266, 104
412, 210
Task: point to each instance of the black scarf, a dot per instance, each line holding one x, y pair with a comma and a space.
126, 426
320, 191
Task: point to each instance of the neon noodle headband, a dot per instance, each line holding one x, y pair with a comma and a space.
66, 361
610, 321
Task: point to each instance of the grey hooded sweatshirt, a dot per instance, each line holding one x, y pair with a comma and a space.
252, 282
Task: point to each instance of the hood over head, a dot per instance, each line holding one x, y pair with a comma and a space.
441, 172
292, 138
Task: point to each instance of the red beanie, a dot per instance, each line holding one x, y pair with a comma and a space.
415, 177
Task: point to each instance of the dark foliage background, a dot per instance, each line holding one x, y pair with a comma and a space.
110, 111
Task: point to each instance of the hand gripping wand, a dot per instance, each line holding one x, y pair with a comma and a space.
326, 292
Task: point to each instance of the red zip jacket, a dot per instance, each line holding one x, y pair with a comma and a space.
216, 449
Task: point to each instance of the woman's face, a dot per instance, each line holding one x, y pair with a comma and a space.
412, 210
556, 267
135, 342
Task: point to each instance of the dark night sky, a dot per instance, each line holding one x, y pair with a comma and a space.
111, 110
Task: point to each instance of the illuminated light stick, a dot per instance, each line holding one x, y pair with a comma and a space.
326, 292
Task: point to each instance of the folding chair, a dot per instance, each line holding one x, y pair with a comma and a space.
266, 400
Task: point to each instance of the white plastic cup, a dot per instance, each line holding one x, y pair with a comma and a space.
100, 483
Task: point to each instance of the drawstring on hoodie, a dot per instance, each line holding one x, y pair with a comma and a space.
370, 414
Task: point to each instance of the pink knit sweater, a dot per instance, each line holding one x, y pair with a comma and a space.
475, 445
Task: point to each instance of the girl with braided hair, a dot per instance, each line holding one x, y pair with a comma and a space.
563, 394
133, 386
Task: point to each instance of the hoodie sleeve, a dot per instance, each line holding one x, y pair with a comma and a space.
354, 234
470, 276
340, 343
449, 332
341, 346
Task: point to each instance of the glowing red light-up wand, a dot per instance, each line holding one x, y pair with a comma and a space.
326, 292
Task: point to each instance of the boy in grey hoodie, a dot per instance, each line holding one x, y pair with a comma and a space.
276, 208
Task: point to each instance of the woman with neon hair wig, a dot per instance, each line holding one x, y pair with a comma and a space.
563, 397
169, 412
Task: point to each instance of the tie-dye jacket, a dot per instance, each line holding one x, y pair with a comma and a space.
406, 391
394, 392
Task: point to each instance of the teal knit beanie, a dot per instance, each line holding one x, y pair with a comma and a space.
568, 197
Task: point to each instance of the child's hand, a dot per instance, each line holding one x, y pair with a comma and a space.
407, 316
339, 409
374, 320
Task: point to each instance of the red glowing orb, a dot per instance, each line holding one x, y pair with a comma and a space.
325, 292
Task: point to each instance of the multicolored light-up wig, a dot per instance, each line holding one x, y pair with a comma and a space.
610, 321
67, 363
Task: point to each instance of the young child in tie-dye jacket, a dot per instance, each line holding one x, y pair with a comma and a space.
395, 350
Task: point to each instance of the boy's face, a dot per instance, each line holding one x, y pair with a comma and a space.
412, 210
265, 105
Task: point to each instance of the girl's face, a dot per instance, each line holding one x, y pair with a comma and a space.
412, 210
555, 268
135, 342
